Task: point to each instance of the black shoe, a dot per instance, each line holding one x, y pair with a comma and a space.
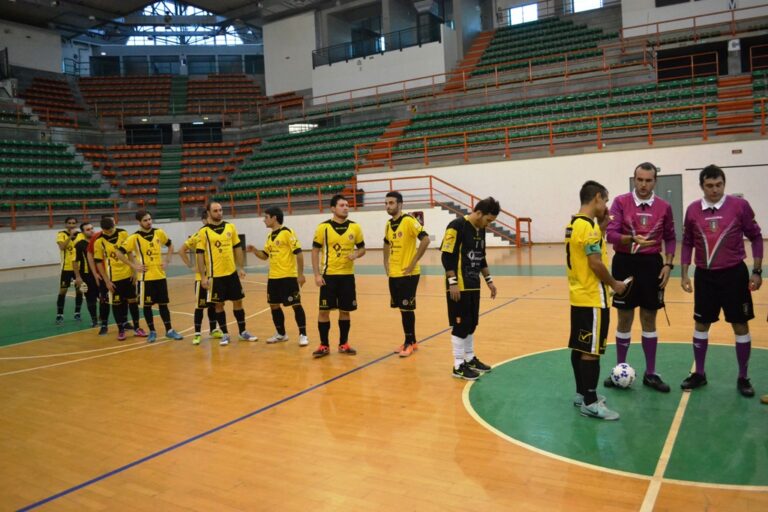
465, 372
694, 381
59, 319
78, 317
608, 382
478, 366
128, 326
94, 324
654, 381
745, 387
103, 331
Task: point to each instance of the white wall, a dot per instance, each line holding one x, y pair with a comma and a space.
31, 47
39, 247
450, 47
414, 64
641, 12
288, 46
547, 189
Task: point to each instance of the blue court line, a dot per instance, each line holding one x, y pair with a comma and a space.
241, 418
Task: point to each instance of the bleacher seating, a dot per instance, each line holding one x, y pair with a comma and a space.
132, 170
223, 94
52, 100
127, 96
11, 113
44, 171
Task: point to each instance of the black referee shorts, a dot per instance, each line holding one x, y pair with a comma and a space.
726, 289
283, 290
645, 291
338, 293
402, 292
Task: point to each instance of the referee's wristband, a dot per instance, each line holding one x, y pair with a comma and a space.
452, 281
670, 265
488, 279
757, 271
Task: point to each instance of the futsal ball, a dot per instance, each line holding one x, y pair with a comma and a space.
623, 375
84, 287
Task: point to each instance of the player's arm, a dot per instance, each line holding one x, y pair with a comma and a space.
359, 252
423, 244
122, 254
79, 257
184, 255
319, 281
169, 254
595, 262
259, 253
63, 240
239, 260
686, 252
200, 260
385, 256
486, 272
103, 270
755, 236
300, 266
449, 258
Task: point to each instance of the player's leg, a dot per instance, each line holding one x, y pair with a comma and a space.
301, 323
743, 351
276, 296
120, 306
473, 319
64, 282
457, 319
159, 294
347, 304
144, 298
326, 302
104, 307
589, 333
233, 290
197, 316
650, 340
91, 297
706, 310
739, 310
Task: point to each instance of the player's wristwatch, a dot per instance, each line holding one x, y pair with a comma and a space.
670, 265
757, 271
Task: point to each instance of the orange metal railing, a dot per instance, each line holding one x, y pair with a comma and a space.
48, 209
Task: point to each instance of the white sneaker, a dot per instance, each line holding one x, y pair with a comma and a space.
246, 336
303, 340
277, 337
598, 410
224, 340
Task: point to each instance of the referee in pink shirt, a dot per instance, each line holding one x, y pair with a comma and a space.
640, 221
715, 226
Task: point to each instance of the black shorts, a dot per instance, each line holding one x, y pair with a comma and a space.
402, 292
125, 290
645, 291
67, 276
465, 312
93, 289
589, 329
152, 292
201, 296
726, 289
225, 288
338, 292
283, 290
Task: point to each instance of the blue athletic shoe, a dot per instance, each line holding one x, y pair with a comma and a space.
152, 337
174, 335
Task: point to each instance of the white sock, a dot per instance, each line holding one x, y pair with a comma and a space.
469, 347
458, 351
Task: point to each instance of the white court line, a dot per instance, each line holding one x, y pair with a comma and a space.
144, 345
649, 501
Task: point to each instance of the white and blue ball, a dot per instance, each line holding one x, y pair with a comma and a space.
623, 375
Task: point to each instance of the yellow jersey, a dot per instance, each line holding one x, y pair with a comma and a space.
191, 245
147, 247
105, 249
218, 243
583, 238
81, 249
336, 242
400, 237
282, 246
67, 255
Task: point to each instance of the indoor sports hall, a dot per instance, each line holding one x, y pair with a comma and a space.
108, 108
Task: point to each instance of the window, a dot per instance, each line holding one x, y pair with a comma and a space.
586, 5
523, 14
172, 34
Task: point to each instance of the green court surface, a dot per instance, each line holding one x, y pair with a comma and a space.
723, 438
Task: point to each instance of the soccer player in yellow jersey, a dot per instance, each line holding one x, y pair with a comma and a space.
401, 262
66, 240
201, 294
83, 272
286, 275
588, 282
341, 242
118, 276
146, 244
220, 261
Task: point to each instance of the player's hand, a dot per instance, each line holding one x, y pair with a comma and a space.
619, 287
352, 256
165, 263
110, 285
454, 293
755, 281
97, 278
664, 276
685, 284
319, 281
251, 248
134, 278
409, 269
492, 287
204, 283
302, 280
241, 273
78, 282
643, 241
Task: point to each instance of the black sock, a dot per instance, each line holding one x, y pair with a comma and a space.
211, 318
198, 320
344, 326
134, 307
78, 301
575, 358
120, 312
301, 319
590, 376
409, 326
278, 318
221, 317
149, 318
324, 328
60, 303
104, 313
91, 304
165, 314
240, 317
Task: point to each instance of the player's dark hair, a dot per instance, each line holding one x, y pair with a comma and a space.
274, 211
488, 206
69, 219
590, 189
141, 214
84, 224
710, 172
204, 215
209, 205
335, 199
647, 166
397, 195
107, 223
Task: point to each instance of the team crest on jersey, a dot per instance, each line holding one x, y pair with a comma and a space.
399, 234
713, 224
351, 236
217, 244
644, 219
277, 242
229, 235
